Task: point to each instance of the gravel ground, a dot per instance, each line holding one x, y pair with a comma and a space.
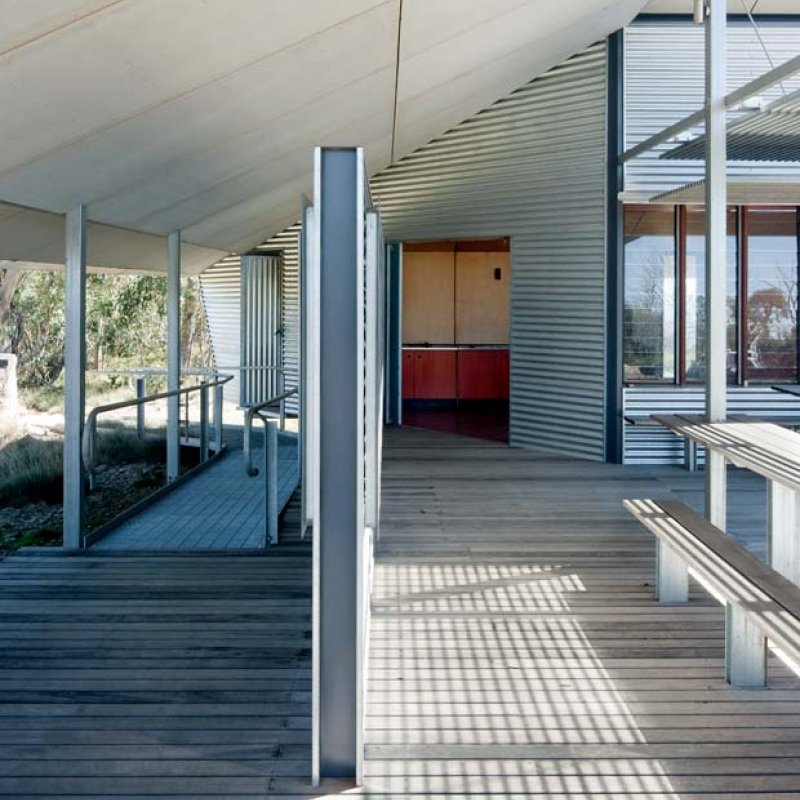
117, 488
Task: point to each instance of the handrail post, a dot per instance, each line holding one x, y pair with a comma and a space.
282, 385
271, 476
203, 422
218, 401
92, 446
141, 393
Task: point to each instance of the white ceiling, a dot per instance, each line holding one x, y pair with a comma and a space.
201, 115
755, 7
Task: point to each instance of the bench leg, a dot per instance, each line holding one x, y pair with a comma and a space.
690, 454
672, 576
783, 541
716, 489
745, 650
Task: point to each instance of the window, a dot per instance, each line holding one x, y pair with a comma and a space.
649, 321
664, 313
772, 264
694, 309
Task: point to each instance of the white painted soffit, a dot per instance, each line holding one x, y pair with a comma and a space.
202, 116
741, 192
759, 7
36, 240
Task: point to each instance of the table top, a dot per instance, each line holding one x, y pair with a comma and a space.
788, 388
762, 447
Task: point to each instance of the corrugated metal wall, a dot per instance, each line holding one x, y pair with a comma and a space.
222, 298
532, 166
664, 78
654, 444
261, 333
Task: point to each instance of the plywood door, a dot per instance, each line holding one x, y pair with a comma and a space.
482, 298
428, 297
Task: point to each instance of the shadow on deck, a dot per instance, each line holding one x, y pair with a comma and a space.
517, 650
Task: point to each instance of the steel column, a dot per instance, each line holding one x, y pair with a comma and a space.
716, 198
340, 521
74, 378
394, 334
173, 353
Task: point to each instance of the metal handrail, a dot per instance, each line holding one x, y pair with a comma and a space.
255, 411
90, 429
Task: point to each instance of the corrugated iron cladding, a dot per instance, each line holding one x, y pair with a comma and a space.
532, 167
664, 79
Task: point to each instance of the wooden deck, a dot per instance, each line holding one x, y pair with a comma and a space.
175, 675
219, 509
517, 651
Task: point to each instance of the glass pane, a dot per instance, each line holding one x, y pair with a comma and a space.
772, 295
696, 294
649, 294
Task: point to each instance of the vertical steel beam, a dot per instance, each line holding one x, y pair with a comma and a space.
339, 524
173, 354
372, 378
75, 378
394, 334
615, 145
716, 198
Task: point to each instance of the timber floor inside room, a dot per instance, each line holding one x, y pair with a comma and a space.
517, 651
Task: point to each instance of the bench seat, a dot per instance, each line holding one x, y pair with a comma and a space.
761, 605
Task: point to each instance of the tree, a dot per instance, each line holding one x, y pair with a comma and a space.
10, 276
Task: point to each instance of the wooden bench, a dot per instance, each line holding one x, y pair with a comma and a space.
760, 604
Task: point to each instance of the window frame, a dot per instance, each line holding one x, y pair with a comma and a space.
742, 227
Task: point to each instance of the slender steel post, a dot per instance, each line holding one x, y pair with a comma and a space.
372, 419
271, 476
716, 198
74, 378
141, 391
204, 422
173, 353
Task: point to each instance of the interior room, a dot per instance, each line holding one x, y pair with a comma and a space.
456, 347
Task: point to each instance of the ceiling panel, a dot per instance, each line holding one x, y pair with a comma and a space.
202, 116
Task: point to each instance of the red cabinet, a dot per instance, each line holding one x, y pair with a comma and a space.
429, 374
463, 374
483, 375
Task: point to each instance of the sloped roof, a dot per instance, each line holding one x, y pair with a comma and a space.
772, 134
201, 116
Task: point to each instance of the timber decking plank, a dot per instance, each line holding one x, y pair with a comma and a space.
517, 650
174, 675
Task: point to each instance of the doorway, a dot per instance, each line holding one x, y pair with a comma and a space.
456, 357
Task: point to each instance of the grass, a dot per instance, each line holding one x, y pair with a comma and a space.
99, 390
31, 469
